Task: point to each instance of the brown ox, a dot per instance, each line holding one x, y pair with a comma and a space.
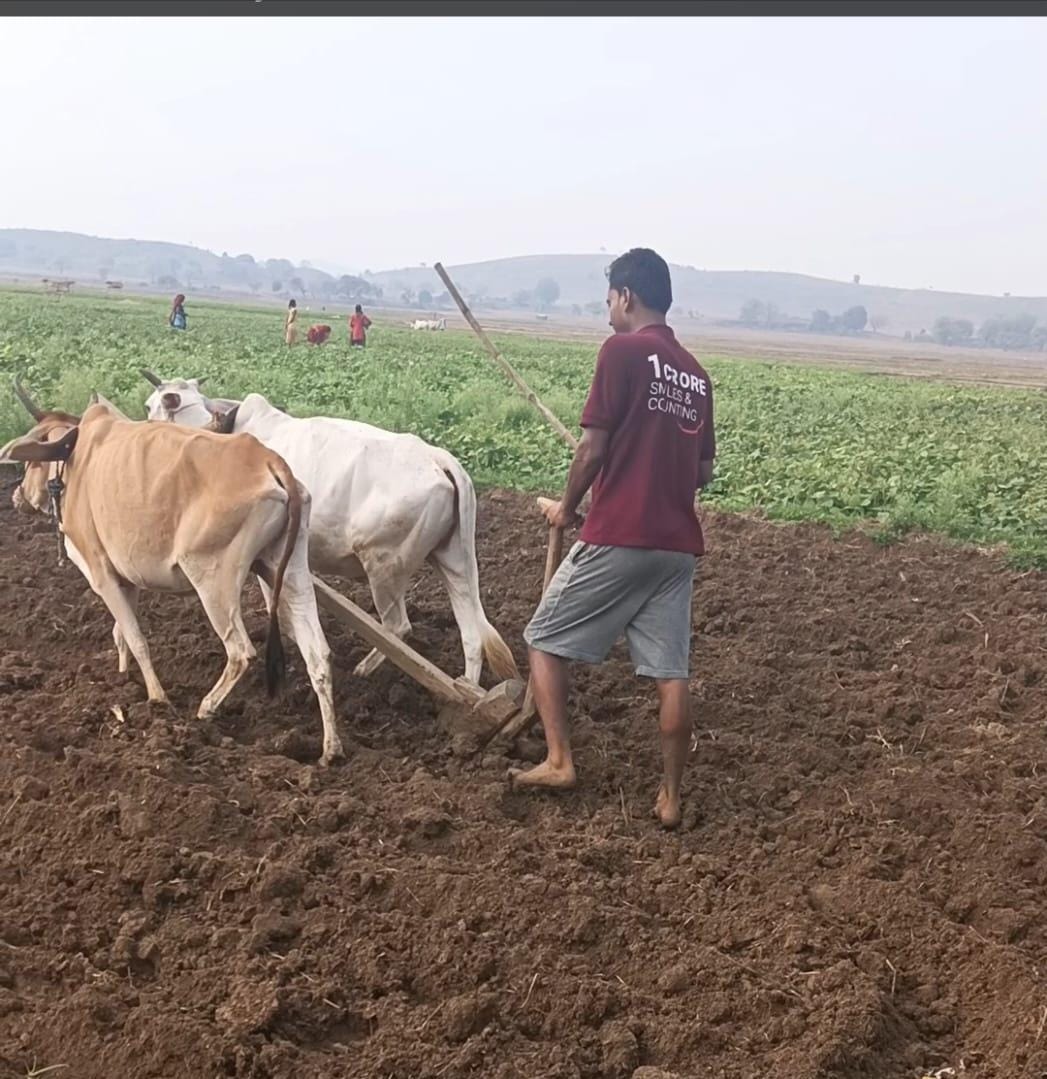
174, 509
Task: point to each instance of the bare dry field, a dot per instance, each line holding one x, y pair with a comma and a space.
879, 354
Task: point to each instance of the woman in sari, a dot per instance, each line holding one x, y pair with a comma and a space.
291, 323
177, 317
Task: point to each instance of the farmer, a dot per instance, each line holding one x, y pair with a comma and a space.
176, 319
291, 323
359, 324
647, 448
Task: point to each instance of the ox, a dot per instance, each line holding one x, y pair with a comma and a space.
383, 504
429, 324
190, 385
172, 509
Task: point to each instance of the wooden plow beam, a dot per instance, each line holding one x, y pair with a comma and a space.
468, 708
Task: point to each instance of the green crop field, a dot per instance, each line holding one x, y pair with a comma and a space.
797, 442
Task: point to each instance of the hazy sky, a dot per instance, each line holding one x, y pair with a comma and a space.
909, 150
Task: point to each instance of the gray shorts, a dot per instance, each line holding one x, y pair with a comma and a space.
599, 593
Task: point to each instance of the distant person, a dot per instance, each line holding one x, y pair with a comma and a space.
647, 449
291, 323
359, 324
177, 317
318, 334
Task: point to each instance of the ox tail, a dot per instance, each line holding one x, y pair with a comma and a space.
461, 541
275, 660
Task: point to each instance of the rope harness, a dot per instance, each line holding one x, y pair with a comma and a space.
55, 488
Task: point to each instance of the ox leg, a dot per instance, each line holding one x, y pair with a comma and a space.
222, 607
299, 615
267, 594
122, 651
122, 602
465, 603
388, 594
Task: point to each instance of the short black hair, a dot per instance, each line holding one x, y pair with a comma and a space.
645, 274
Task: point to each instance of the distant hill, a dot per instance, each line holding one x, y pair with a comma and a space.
148, 263
714, 295
507, 284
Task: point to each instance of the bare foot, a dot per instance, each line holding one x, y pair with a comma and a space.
543, 775
667, 809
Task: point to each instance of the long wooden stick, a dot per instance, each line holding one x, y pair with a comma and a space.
506, 368
554, 553
528, 712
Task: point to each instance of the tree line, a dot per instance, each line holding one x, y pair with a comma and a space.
999, 331
759, 313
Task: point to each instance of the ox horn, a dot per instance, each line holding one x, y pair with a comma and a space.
30, 405
150, 377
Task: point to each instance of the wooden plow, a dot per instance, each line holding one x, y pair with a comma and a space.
468, 708
508, 709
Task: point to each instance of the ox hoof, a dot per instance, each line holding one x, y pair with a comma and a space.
332, 755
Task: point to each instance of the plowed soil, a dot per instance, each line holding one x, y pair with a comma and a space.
859, 888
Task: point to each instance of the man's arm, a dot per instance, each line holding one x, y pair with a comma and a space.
585, 467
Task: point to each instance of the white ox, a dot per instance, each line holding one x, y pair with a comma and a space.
382, 505
429, 324
176, 510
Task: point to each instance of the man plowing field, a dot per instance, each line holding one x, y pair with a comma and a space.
648, 447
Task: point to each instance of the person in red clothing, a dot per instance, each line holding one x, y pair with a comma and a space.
647, 448
359, 324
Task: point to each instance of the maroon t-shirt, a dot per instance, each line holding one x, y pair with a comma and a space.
656, 401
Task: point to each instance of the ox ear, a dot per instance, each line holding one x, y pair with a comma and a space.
30, 449
153, 380
223, 422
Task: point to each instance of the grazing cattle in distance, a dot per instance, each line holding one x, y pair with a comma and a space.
383, 504
174, 509
429, 324
318, 333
